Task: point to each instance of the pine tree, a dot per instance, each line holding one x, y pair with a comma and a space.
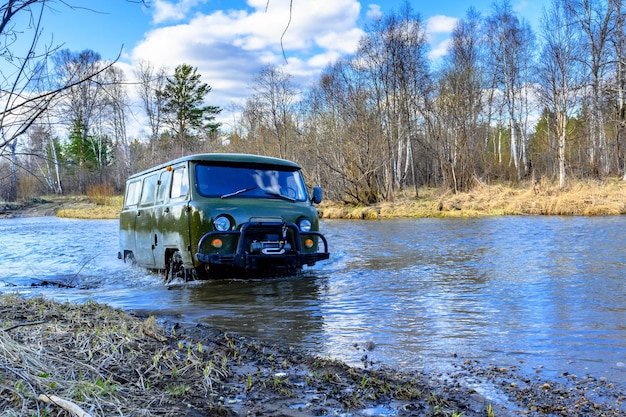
183, 108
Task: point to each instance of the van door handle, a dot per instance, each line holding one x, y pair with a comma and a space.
167, 209
138, 213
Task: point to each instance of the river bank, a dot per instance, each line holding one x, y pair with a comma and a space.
578, 198
80, 207
104, 361
581, 198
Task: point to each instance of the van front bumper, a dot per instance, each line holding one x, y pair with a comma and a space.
262, 245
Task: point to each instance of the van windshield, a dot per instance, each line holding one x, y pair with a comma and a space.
249, 182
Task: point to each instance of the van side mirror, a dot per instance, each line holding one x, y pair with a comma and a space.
317, 194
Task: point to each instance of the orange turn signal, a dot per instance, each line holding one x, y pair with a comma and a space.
308, 243
217, 243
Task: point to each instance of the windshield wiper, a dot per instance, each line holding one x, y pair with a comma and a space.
279, 195
243, 190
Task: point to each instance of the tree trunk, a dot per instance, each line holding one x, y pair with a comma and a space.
12, 194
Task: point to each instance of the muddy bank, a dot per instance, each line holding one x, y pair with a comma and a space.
108, 362
37, 207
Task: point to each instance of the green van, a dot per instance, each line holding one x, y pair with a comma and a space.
200, 216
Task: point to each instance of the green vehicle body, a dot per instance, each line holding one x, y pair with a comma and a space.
203, 215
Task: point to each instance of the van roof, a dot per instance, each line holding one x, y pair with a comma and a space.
225, 158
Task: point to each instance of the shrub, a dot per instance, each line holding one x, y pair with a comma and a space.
101, 194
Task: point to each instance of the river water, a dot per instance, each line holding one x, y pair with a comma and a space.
545, 293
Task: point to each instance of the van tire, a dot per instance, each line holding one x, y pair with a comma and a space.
175, 268
129, 257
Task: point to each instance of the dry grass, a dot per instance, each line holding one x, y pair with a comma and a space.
578, 198
101, 194
100, 359
108, 208
108, 363
588, 198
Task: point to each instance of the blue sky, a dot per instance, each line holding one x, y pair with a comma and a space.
230, 40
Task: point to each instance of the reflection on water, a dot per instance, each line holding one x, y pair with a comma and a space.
275, 309
547, 291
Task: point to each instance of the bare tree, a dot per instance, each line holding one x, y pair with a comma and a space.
596, 19
392, 58
80, 104
460, 103
344, 132
619, 44
114, 116
150, 82
27, 89
559, 73
250, 126
43, 155
273, 104
19, 83
511, 41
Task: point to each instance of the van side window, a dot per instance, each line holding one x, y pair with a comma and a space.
163, 186
149, 188
133, 190
180, 184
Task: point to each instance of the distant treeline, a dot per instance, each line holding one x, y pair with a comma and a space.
506, 103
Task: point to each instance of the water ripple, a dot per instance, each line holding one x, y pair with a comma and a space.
546, 291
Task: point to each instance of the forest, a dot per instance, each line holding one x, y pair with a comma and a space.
508, 103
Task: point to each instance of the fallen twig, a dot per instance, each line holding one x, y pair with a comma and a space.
155, 336
15, 326
64, 404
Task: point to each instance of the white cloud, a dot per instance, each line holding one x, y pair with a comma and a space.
373, 12
438, 30
439, 49
520, 6
229, 47
345, 42
165, 11
441, 24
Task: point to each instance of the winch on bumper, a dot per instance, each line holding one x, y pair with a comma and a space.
263, 245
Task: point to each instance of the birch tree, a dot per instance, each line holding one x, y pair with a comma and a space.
510, 42
460, 105
273, 103
596, 19
559, 73
80, 106
114, 118
394, 58
150, 83
619, 45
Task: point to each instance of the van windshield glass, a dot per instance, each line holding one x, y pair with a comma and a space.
249, 182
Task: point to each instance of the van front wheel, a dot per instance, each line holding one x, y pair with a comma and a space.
176, 268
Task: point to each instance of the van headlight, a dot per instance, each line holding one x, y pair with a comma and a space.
304, 225
221, 223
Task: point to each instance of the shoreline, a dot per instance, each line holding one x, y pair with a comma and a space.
107, 361
583, 198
